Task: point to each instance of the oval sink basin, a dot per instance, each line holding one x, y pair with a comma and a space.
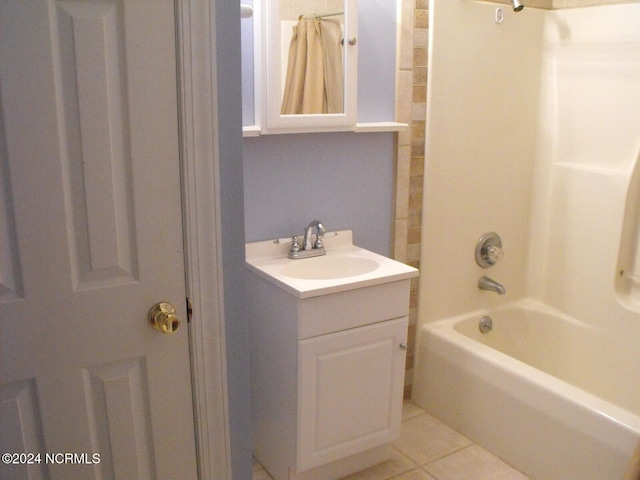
329, 268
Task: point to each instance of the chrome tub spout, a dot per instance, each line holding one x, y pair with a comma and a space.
486, 283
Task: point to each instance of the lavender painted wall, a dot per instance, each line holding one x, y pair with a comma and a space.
344, 180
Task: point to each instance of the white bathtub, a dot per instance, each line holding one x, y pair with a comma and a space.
529, 391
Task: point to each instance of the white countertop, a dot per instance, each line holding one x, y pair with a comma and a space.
269, 260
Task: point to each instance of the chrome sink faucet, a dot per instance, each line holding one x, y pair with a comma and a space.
487, 283
308, 235
310, 247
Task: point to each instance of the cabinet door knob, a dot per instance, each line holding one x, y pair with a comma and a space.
403, 346
351, 41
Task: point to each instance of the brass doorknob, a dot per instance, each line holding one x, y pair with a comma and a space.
163, 317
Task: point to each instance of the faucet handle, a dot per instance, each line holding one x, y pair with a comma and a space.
489, 250
320, 231
319, 243
494, 254
294, 250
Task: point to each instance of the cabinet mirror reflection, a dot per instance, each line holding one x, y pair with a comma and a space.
312, 41
310, 63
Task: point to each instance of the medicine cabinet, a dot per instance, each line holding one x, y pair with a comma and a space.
309, 64
305, 68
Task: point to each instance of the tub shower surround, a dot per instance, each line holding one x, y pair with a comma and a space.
533, 131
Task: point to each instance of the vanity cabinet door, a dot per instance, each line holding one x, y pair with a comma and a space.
350, 391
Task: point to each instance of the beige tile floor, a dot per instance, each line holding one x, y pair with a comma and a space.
429, 450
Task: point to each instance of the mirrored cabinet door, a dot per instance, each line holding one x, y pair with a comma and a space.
309, 65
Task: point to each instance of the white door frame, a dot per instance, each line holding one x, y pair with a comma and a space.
202, 228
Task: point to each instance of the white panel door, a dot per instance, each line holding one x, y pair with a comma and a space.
90, 240
350, 391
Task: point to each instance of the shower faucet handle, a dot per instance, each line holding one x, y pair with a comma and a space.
494, 254
489, 250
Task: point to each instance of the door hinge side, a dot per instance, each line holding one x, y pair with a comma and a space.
189, 310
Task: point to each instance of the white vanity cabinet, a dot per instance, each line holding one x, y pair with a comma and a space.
327, 376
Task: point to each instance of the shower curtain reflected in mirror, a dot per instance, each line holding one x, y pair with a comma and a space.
314, 81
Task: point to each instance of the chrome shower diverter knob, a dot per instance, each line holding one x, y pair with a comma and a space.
494, 254
489, 250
